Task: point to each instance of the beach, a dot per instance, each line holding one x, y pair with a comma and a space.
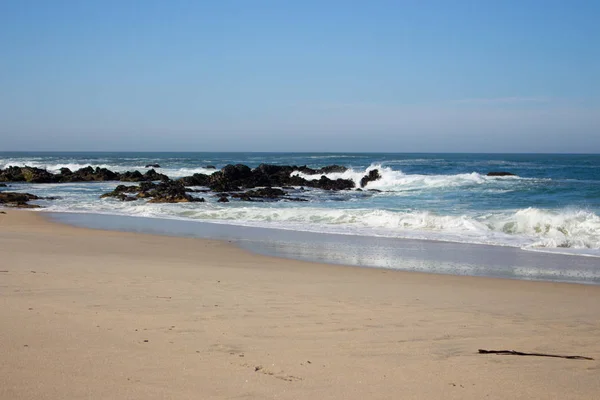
118, 315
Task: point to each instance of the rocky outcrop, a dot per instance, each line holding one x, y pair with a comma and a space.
19, 200
330, 184
152, 166
500, 173
163, 192
237, 177
373, 175
234, 178
87, 174
121, 191
65, 175
264, 193
195, 180
13, 174
329, 169
230, 178
37, 175
172, 192
137, 176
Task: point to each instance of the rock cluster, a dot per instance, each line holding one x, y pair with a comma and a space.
20, 200
373, 175
237, 177
500, 173
232, 181
87, 174
163, 192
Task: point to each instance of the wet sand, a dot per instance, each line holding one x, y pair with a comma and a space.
100, 314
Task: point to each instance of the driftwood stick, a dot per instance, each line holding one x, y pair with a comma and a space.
519, 353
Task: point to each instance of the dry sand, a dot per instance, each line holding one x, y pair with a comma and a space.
111, 315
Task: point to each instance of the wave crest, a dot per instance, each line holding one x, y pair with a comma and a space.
396, 180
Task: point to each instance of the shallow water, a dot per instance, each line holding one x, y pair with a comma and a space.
365, 251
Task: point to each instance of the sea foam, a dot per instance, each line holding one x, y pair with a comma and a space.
398, 181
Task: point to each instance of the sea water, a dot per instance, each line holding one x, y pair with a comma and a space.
552, 204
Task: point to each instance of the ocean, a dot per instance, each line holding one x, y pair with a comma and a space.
552, 204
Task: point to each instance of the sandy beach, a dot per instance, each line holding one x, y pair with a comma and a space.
114, 315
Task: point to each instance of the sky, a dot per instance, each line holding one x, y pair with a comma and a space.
258, 75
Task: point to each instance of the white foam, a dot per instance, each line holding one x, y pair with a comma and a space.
568, 232
575, 229
55, 168
396, 180
181, 172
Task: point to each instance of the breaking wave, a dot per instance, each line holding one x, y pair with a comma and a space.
55, 167
396, 180
571, 231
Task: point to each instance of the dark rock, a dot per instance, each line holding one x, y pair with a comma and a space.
231, 178
87, 174
223, 199
120, 191
127, 189
3, 185
119, 196
11, 174
332, 169
358, 189
137, 176
236, 172
210, 167
152, 175
163, 192
245, 197
219, 183
168, 192
234, 178
373, 175
294, 199
258, 194
267, 193
195, 180
500, 173
325, 170
132, 176
19, 200
12, 197
103, 174
277, 175
187, 189
375, 190
37, 175
152, 166
329, 184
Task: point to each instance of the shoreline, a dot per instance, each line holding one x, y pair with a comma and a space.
120, 315
417, 255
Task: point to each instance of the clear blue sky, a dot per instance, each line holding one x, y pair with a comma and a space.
253, 75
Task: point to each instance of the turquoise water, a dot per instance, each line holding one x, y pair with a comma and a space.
552, 205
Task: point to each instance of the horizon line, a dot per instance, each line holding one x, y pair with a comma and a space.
293, 152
